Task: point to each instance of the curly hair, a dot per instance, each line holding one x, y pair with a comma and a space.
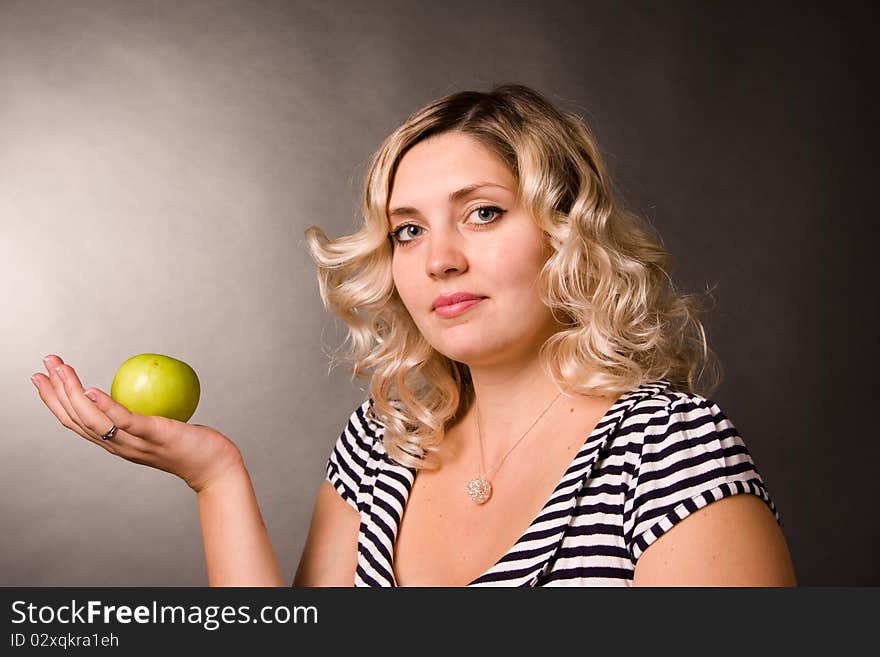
606, 279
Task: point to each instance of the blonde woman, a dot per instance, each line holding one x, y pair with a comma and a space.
533, 416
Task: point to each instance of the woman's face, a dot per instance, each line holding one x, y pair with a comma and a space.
458, 229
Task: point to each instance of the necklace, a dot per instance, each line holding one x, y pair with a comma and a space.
479, 489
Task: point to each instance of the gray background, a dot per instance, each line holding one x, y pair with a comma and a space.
159, 162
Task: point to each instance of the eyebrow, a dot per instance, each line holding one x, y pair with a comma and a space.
454, 197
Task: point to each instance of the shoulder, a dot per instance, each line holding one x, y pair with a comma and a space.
364, 425
361, 437
690, 461
685, 453
356, 452
679, 431
663, 418
661, 400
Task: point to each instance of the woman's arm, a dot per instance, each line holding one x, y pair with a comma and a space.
734, 541
237, 547
330, 554
238, 551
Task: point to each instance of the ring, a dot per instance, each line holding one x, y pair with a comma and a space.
110, 433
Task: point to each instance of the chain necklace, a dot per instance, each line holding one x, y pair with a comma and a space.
479, 489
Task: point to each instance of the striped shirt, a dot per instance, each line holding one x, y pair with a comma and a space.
655, 457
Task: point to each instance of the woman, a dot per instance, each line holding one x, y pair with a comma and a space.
532, 418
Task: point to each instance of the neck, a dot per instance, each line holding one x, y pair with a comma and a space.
510, 398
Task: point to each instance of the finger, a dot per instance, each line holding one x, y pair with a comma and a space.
52, 363
50, 399
122, 444
145, 429
92, 419
128, 440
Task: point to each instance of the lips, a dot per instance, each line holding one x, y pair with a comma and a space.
455, 298
452, 305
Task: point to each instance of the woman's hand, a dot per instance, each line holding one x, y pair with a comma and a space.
197, 454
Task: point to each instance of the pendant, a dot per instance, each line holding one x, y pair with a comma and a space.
479, 490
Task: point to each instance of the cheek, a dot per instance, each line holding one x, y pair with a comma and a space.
403, 284
515, 269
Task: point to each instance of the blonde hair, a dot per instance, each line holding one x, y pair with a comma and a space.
606, 279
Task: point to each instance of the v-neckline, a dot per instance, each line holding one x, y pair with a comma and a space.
591, 444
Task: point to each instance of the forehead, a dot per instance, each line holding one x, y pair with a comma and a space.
443, 163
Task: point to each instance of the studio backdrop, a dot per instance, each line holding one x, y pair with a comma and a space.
160, 161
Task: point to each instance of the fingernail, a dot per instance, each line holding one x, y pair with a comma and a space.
46, 360
60, 372
91, 395
34, 381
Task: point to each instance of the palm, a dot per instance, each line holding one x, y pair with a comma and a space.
195, 453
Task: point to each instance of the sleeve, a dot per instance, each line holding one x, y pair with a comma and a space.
691, 455
351, 455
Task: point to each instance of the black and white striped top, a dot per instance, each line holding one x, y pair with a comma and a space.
656, 456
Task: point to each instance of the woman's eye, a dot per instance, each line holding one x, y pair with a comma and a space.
482, 215
486, 214
406, 233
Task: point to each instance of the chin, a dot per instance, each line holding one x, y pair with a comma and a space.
473, 352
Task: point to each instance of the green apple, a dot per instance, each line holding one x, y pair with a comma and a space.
153, 384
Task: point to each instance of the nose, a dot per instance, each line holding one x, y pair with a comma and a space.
446, 255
